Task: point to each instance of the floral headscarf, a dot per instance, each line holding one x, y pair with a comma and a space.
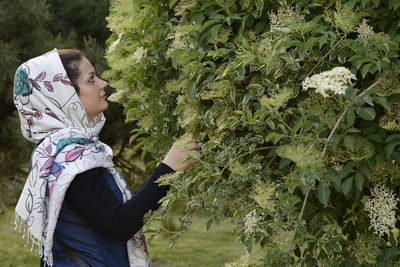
51, 113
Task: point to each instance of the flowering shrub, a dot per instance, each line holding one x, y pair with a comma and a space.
296, 107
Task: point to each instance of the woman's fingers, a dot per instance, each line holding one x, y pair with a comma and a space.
193, 146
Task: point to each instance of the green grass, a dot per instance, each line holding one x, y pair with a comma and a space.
14, 251
196, 248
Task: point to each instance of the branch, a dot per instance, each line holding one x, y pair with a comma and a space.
333, 131
322, 59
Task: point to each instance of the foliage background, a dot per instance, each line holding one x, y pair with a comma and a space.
292, 170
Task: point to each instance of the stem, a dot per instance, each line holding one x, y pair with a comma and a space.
349, 46
322, 59
333, 131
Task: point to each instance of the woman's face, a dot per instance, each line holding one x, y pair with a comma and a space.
91, 90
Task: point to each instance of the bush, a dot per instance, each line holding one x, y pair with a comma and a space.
295, 105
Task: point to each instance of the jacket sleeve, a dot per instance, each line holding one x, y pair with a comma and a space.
91, 196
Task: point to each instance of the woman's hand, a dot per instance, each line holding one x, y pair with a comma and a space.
176, 156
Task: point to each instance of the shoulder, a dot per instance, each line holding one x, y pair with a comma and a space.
91, 173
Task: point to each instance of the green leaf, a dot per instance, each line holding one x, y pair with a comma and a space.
353, 130
248, 245
350, 118
346, 186
394, 4
210, 22
365, 69
364, 3
198, 18
292, 186
175, 58
214, 31
368, 100
383, 102
389, 148
260, 5
367, 113
172, 3
376, 2
209, 223
274, 137
359, 181
191, 88
349, 142
366, 171
323, 193
233, 94
335, 180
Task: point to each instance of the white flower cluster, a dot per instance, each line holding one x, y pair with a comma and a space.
115, 43
364, 31
251, 221
336, 81
243, 261
178, 42
139, 54
285, 16
381, 209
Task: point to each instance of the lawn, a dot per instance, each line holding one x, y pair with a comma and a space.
195, 248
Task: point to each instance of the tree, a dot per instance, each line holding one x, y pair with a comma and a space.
295, 105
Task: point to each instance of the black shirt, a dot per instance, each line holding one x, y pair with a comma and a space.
91, 196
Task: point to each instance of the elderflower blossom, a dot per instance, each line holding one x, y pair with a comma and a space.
169, 179
115, 43
284, 17
264, 195
364, 31
365, 248
381, 209
243, 261
139, 54
336, 81
251, 221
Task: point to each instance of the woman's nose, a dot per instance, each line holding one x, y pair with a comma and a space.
103, 84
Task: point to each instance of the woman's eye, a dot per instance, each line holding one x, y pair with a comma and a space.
91, 79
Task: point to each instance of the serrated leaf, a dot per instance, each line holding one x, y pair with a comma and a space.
172, 3
368, 100
350, 118
323, 193
346, 186
383, 102
359, 181
367, 113
389, 148
365, 69
349, 142
335, 180
209, 223
191, 88
292, 186
214, 31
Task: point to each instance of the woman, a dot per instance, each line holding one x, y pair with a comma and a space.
74, 204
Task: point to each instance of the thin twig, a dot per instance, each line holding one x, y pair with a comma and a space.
322, 59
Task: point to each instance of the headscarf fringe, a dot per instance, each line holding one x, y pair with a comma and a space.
21, 224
